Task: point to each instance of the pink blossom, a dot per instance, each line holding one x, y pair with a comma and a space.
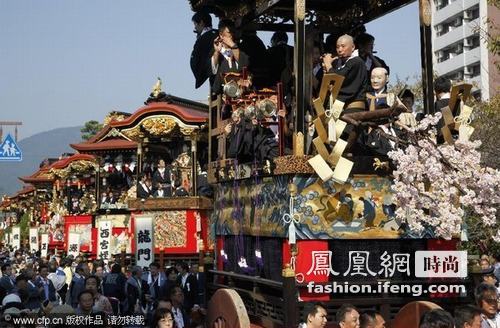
433, 185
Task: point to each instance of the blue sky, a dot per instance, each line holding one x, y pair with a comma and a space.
66, 62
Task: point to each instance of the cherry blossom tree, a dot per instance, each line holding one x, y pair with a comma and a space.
437, 186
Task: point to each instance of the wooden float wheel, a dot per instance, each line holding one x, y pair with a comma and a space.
410, 314
226, 310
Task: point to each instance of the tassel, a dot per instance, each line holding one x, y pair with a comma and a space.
223, 255
332, 137
258, 258
292, 238
463, 233
198, 222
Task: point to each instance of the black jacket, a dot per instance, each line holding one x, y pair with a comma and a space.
224, 68
240, 142
355, 79
200, 57
190, 290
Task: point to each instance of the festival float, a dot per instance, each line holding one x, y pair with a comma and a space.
128, 148
342, 215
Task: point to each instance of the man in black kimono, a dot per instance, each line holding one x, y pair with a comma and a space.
352, 67
239, 138
227, 57
442, 88
364, 44
161, 179
200, 56
352, 92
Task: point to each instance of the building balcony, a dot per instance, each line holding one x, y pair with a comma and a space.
452, 9
458, 33
466, 58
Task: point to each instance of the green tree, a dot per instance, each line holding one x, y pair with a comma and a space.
24, 224
90, 129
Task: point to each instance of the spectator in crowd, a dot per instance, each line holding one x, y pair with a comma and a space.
101, 302
171, 274
436, 318
467, 316
484, 262
315, 317
114, 283
99, 270
135, 291
164, 302
163, 318
85, 303
180, 315
48, 289
58, 278
371, 319
78, 283
487, 300
200, 280
22, 287
347, 316
155, 280
33, 291
497, 265
7, 282
188, 284
488, 276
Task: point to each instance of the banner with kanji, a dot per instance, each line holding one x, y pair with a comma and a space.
74, 244
34, 240
44, 244
144, 240
16, 238
104, 240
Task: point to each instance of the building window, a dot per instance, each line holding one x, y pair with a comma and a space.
440, 4
472, 42
471, 13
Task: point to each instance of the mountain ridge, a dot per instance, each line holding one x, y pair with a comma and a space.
36, 148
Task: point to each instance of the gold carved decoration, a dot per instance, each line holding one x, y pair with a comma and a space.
161, 125
187, 131
425, 11
82, 166
113, 116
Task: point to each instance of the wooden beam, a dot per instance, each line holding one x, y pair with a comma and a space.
426, 55
299, 65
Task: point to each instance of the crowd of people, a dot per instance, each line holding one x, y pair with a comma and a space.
64, 286
174, 296
482, 315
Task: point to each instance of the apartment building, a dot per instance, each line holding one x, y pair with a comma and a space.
460, 52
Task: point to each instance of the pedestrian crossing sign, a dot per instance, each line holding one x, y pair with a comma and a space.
9, 150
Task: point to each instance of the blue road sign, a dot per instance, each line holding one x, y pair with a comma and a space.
9, 150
